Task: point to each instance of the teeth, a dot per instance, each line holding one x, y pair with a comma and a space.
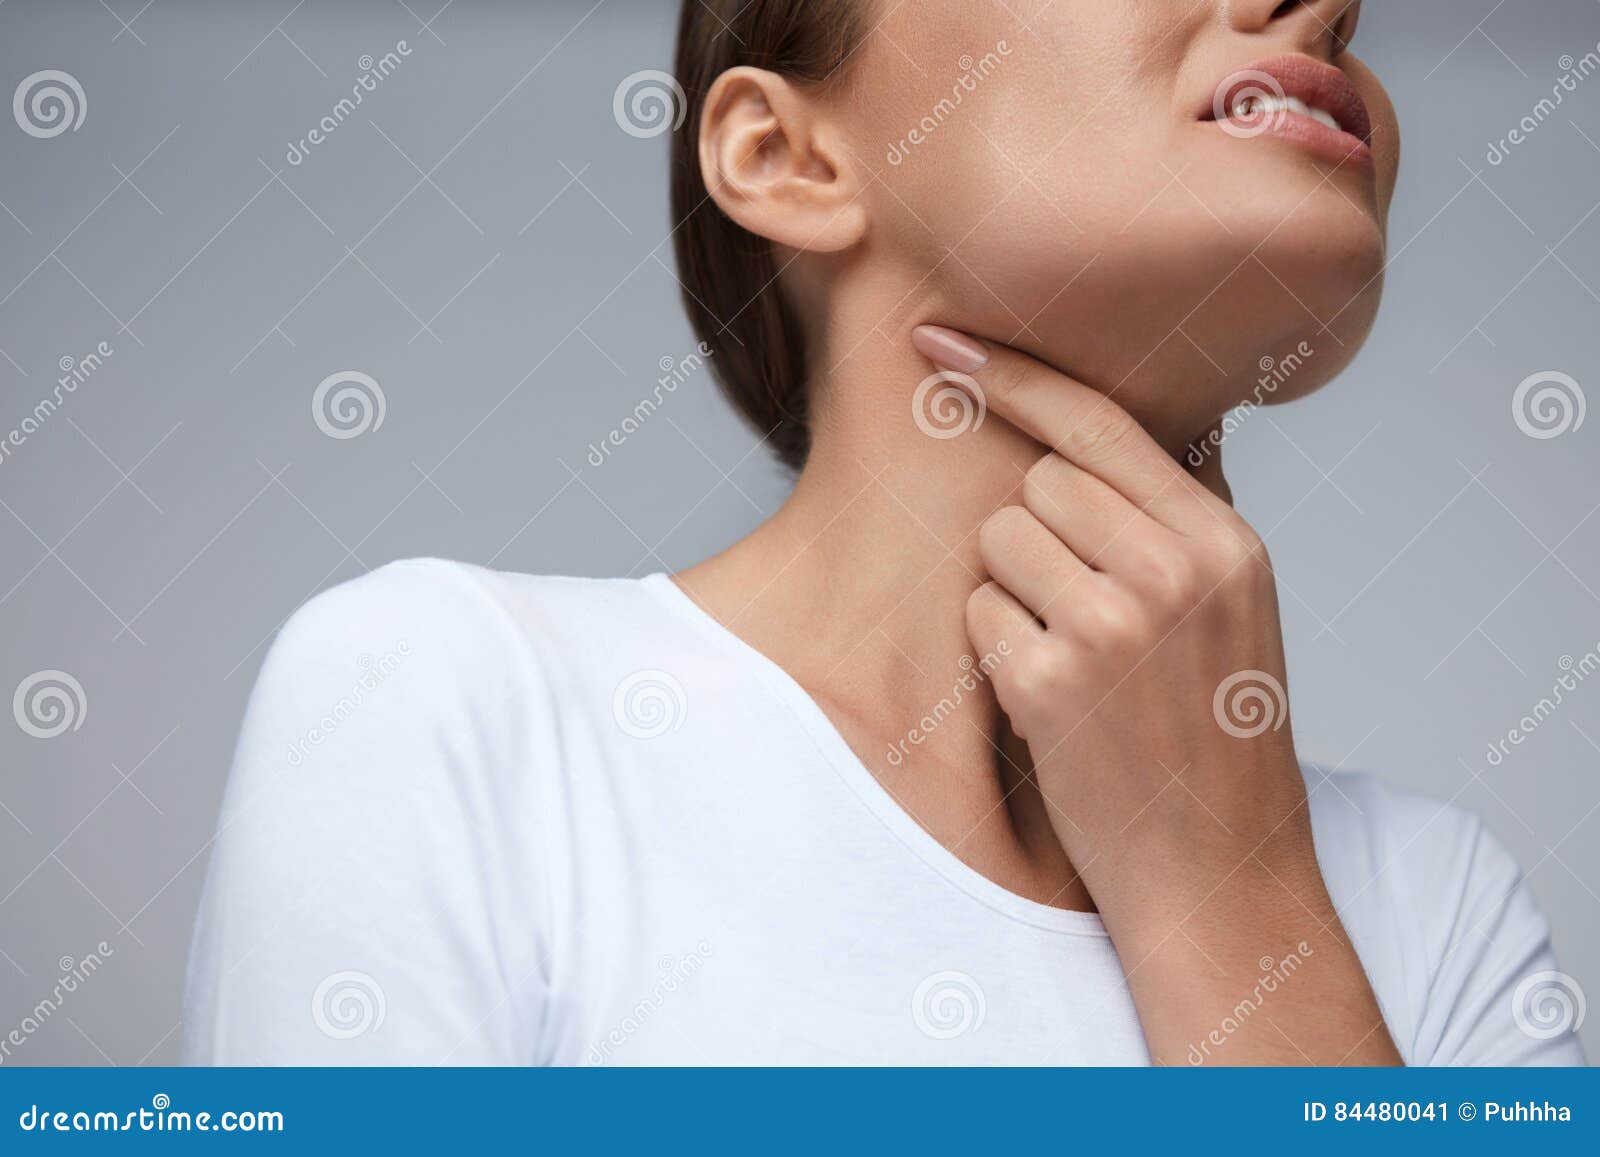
1254, 105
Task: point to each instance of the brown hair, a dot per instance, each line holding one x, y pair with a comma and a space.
730, 276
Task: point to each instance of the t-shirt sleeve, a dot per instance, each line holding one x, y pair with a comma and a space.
373, 895
1495, 994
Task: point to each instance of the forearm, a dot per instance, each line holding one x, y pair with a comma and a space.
1247, 965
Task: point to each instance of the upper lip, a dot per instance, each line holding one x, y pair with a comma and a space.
1318, 84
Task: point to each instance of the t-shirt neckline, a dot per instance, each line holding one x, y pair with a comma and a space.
838, 753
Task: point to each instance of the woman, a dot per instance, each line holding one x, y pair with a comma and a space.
978, 751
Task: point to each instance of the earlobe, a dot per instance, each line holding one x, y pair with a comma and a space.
770, 164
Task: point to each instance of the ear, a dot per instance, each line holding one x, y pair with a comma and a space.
772, 161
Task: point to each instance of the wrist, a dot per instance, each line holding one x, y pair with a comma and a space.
1271, 884
1180, 848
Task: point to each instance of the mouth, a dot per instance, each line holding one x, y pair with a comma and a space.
1299, 99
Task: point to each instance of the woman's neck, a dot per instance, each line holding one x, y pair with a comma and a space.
858, 589
858, 585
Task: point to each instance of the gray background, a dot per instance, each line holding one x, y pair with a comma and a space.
484, 240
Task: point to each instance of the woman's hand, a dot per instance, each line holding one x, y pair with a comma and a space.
1145, 670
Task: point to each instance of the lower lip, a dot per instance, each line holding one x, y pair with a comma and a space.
1333, 145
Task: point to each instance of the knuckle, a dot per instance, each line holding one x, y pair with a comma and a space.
1040, 674
1105, 430
1053, 487
1258, 551
1117, 621
1045, 478
1176, 580
1239, 549
1005, 377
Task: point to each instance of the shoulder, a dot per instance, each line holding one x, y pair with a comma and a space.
1440, 913
393, 814
444, 630
1400, 862
459, 611
435, 675
1367, 829
426, 665
388, 615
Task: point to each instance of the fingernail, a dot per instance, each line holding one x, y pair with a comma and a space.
949, 349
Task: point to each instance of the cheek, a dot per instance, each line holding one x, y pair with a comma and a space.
1052, 127
1054, 200
1113, 249
1134, 230
1009, 212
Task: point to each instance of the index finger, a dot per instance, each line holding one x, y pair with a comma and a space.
1079, 423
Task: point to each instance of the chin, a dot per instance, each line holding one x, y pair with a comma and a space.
1324, 270
1180, 317
1328, 252
1309, 309
1292, 262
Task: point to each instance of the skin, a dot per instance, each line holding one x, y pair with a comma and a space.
1122, 268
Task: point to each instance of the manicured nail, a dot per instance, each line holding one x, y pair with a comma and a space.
950, 350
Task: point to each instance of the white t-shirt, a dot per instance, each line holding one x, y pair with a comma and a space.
482, 818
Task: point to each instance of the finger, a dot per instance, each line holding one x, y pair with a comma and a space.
1097, 524
998, 624
1081, 424
1031, 562
1110, 617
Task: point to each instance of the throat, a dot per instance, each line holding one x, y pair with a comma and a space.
967, 781
888, 662
858, 589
